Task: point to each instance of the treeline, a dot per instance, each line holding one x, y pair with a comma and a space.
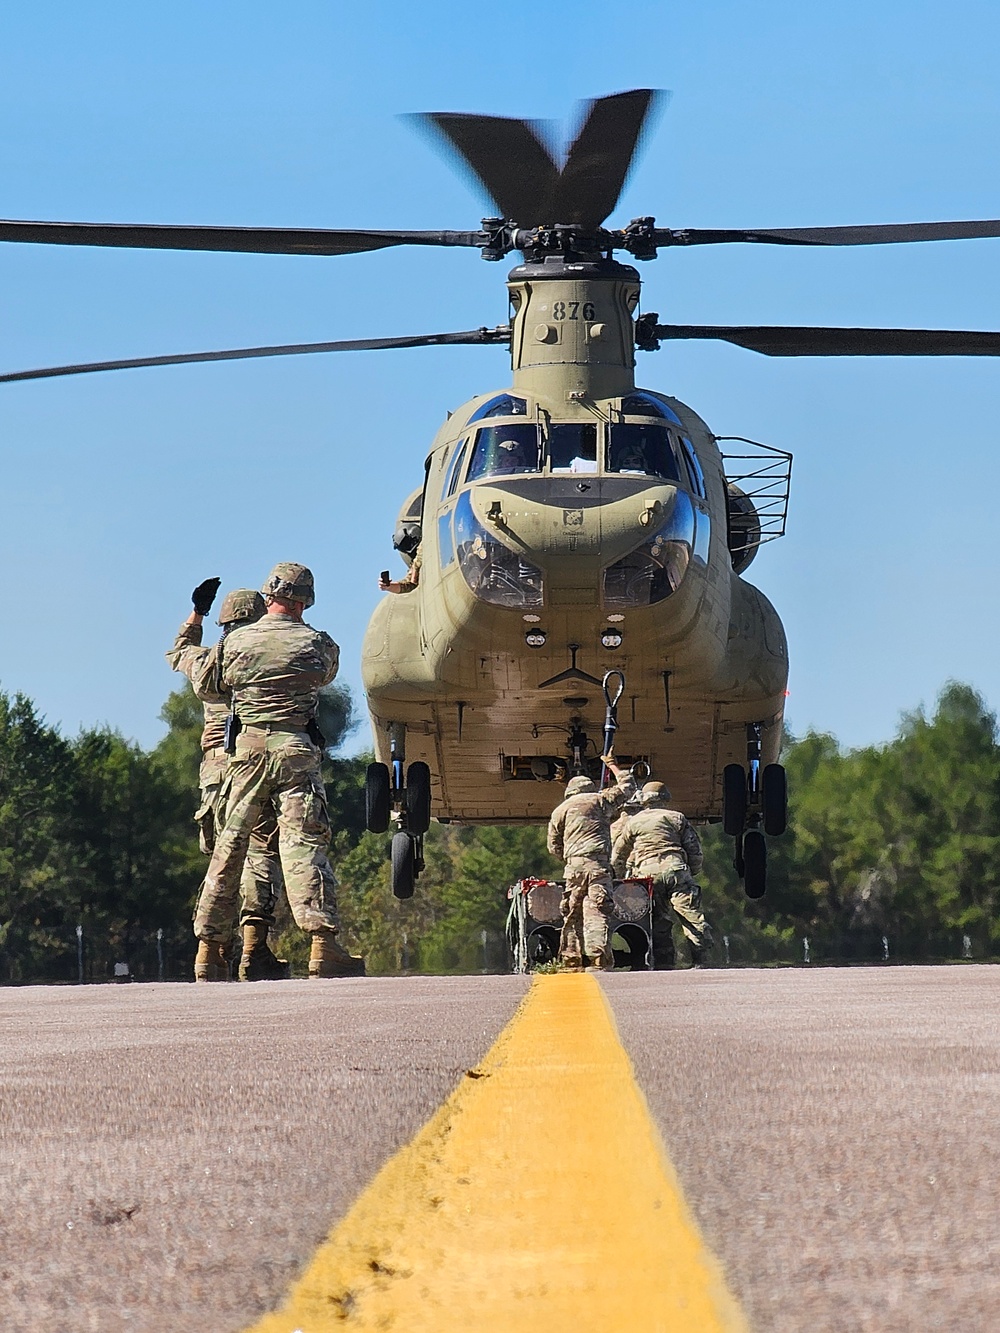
893, 847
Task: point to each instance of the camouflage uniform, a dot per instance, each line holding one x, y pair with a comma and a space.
272, 671
580, 834
261, 881
411, 578
659, 842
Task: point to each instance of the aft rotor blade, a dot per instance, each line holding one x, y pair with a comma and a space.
499, 335
600, 157
511, 162
237, 240
880, 234
773, 340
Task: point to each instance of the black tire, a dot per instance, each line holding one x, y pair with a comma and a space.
755, 864
418, 798
734, 799
378, 802
774, 797
403, 865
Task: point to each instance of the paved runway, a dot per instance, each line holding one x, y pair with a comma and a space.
171, 1156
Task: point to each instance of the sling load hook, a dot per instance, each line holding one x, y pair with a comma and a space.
611, 698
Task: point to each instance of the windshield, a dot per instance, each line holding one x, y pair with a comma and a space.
643, 449
573, 447
503, 450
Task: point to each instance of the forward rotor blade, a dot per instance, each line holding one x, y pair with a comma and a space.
499, 335
777, 341
237, 240
880, 234
599, 159
508, 158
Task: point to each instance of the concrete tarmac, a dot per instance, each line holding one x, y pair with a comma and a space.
170, 1156
837, 1135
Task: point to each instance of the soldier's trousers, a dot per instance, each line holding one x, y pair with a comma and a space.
586, 907
261, 881
677, 896
280, 769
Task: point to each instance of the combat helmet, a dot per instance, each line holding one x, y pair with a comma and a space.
580, 784
241, 605
290, 583
653, 792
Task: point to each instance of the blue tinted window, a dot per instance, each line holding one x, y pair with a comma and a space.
445, 543
656, 569
645, 405
502, 451
504, 405
642, 449
456, 469
694, 467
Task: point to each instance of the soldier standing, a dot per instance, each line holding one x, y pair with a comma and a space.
660, 842
580, 835
260, 882
271, 672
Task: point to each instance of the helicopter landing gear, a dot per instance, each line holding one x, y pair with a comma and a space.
407, 853
388, 798
753, 797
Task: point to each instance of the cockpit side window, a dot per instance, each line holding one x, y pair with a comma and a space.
573, 446
645, 405
456, 469
694, 467
502, 451
642, 449
503, 405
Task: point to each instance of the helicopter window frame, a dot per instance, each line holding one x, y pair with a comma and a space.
570, 471
455, 471
491, 408
517, 423
632, 405
693, 467
659, 425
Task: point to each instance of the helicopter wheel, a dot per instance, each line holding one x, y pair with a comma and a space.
774, 798
378, 801
418, 798
734, 799
404, 865
754, 864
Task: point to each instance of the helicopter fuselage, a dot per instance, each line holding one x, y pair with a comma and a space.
570, 525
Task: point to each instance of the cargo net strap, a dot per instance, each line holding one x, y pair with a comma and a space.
764, 474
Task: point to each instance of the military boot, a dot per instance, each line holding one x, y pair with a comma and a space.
210, 962
257, 962
329, 959
698, 955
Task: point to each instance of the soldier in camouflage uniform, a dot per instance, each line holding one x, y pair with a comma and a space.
271, 673
660, 843
261, 882
580, 835
409, 581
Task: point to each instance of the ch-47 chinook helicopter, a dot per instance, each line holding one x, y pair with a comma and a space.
570, 523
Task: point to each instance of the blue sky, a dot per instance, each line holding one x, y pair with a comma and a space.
122, 491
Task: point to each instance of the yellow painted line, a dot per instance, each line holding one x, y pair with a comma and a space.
538, 1197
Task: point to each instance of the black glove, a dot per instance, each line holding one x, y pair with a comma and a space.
204, 595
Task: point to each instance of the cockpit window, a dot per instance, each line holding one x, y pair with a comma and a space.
643, 450
645, 405
456, 469
501, 451
573, 447
504, 405
693, 467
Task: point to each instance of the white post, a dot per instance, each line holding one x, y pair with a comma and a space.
79, 954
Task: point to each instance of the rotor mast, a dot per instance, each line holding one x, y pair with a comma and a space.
572, 332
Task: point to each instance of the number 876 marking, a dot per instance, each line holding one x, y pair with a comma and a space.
572, 310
